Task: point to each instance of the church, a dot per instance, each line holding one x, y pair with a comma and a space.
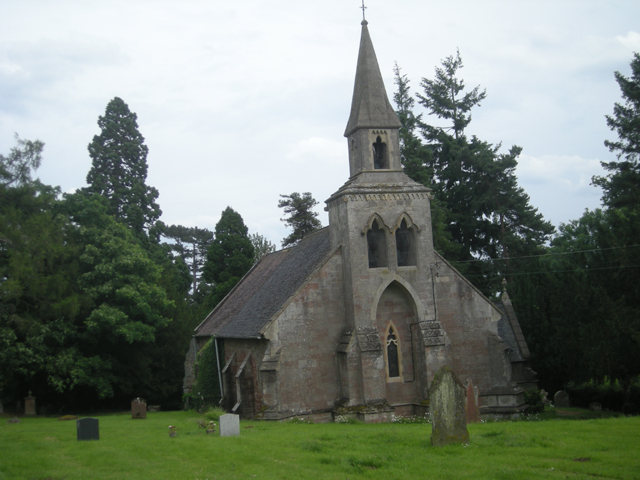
359, 316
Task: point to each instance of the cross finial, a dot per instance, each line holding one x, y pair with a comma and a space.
363, 9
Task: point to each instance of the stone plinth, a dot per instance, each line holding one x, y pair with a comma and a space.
447, 407
229, 425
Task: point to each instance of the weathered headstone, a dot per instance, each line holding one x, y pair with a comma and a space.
229, 425
88, 429
473, 411
138, 408
447, 409
561, 399
30, 405
595, 406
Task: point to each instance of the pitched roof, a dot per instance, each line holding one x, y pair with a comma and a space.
265, 289
370, 107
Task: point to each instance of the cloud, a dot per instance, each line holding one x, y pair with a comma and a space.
560, 185
631, 40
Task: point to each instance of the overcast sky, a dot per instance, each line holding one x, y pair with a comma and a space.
242, 101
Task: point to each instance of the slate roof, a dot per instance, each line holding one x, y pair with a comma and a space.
265, 289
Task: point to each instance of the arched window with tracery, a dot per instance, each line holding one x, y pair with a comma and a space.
376, 246
405, 245
393, 353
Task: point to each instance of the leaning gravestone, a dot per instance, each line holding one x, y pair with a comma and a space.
229, 425
88, 429
447, 409
561, 399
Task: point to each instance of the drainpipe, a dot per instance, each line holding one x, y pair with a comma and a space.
215, 341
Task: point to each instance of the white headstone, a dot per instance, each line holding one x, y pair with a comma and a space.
229, 425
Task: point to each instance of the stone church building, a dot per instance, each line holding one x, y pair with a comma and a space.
360, 315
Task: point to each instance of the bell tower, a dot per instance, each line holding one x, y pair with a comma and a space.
381, 220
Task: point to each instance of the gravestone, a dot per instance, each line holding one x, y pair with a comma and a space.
229, 425
595, 406
472, 412
88, 429
138, 408
561, 399
30, 405
447, 409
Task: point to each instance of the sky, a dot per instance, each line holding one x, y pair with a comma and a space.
240, 102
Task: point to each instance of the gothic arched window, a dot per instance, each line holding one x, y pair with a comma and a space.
380, 160
376, 246
393, 357
405, 245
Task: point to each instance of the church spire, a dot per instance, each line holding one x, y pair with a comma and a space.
370, 107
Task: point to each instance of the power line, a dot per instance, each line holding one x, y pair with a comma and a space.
545, 254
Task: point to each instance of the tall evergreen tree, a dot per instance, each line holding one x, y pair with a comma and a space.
119, 169
622, 186
417, 161
230, 255
301, 216
489, 215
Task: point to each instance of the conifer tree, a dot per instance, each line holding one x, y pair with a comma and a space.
622, 185
119, 169
230, 255
301, 217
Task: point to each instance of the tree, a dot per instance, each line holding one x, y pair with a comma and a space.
417, 161
191, 245
16, 168
445, 98
119, 169
622, 186
261, 246
230, 255
488, 215
301, 217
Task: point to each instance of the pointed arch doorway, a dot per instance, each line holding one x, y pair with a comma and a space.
396, 320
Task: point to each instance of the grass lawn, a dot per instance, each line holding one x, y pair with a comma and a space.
559, 448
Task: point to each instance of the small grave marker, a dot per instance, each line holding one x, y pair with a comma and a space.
30, 405
561, 399
138, 408
229, 425
447, 408
473, 412
88, 429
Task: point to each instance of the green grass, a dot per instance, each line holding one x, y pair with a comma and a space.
44, 448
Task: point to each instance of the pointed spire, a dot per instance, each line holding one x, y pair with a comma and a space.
370, 107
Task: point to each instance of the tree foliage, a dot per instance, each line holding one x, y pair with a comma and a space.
486, 213
301, 216
119, 169
621, 187
261, 246
191, 245
230, 255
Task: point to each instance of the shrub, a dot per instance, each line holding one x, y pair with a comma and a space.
534, 400
214, 413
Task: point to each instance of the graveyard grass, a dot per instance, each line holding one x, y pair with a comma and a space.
44, 448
